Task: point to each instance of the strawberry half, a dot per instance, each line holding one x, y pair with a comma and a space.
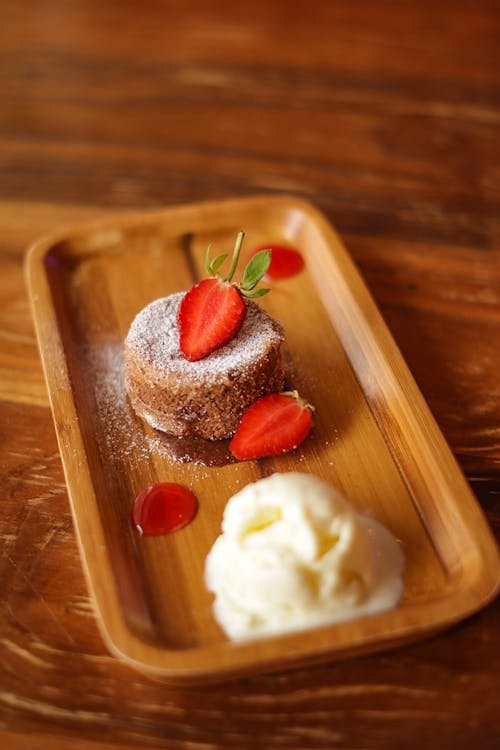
274, 424
212, 312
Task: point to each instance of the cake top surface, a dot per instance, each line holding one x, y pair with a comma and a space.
153, 338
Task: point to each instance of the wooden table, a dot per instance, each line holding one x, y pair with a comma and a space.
386, 116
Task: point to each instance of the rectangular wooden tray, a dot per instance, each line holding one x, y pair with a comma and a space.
374, 438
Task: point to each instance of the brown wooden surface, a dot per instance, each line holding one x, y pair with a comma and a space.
374, 438
386, 116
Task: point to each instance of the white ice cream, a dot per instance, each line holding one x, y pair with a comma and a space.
293, 553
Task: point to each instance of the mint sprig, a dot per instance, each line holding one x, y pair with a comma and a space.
212, 267
252, 275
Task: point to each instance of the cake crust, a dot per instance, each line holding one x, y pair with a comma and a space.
205, 398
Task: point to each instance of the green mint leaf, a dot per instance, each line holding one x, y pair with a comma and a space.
255, 270
255, 292
207, 261
216, 264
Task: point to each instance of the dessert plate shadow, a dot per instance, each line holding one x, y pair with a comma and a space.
374, 438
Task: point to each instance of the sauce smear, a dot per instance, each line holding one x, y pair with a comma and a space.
285, 261
196, 450
163, 508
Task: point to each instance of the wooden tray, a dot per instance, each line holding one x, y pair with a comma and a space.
374, 438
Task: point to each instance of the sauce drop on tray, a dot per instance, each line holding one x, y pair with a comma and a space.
285, 261
163, 508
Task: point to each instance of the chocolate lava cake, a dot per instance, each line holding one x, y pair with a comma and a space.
205, 398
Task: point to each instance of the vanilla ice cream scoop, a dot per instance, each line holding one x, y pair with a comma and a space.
293, 553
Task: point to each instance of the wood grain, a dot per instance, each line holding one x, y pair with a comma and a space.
386, 117
374, 438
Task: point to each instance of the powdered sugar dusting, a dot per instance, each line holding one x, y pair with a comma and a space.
122, 436
153, 338
121, 433
118, 424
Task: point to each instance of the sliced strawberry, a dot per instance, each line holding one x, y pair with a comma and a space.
210, 314
274, 424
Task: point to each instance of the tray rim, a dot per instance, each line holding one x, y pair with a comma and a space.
238, 658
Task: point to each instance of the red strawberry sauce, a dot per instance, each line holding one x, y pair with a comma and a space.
285, 261
163, 508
